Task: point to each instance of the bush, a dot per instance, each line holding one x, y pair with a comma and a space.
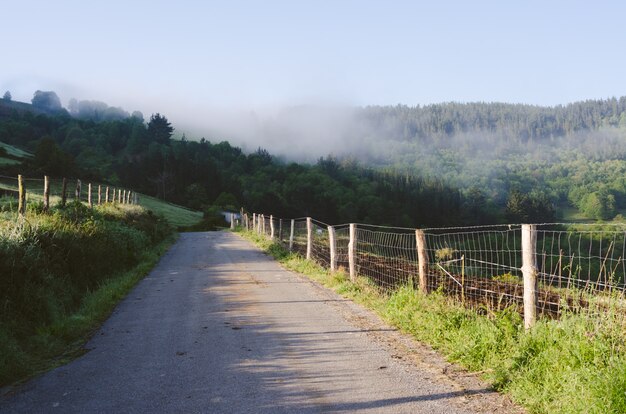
49, 262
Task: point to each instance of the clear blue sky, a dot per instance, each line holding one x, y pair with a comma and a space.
180, 55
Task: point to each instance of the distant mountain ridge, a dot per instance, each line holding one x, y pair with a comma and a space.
518, 121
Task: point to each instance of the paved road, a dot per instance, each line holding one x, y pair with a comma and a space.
217, 327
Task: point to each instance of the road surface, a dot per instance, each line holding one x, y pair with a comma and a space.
218, 327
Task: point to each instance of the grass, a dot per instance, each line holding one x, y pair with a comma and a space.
177, 216
14, 151
573, 365
8, 161
61, 274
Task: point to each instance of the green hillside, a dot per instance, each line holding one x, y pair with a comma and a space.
10, 155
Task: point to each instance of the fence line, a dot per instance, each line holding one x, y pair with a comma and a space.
541, 269
57, 189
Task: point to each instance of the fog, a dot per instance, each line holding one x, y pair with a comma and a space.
299, 133
376, 136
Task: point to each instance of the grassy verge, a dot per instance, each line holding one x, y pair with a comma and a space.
575, 365
177, 216
61, 274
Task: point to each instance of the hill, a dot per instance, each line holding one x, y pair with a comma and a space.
569, 157
444, 164
202, 175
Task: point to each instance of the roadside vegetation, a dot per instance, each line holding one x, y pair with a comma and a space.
574, 365
61, 274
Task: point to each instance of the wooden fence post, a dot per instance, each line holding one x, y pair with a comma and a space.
352, 252
99, 194
78, 190
232, 221
271, 227
106, 194
293, 228
21, 204
529, 270
333, 248
64, 192
124, 197
46, 193
280, 230
422, 259
119, 195
309, 238
89, 201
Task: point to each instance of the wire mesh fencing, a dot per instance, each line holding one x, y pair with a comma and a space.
479, 266
572, 268
62, 190
582, 266
298, 243
387, 256
342, 240
320, 246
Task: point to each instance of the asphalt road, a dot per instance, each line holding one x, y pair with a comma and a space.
218, 327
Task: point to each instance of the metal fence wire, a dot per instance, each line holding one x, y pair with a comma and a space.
578, 266
388, 258
320, 250
479, 266
34, 188
300, 236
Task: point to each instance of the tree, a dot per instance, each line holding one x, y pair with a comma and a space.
475, 207
51, 160
138, 115
599, 205
226, 201
7, 96
47, 100
529, 208
159, 129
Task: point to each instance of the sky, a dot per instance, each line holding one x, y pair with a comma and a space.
195, 61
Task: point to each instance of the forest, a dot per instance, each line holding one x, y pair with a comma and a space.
569, 158
200, 174
437, 165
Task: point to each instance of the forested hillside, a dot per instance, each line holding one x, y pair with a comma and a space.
443, 164
569, 157
201, 174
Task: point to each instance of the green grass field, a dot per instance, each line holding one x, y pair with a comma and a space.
177, 216
8, 161
16, 152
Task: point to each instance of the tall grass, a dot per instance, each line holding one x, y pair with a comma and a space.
62, 272
573, 365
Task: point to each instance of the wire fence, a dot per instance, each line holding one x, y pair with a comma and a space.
75, 189
575, 267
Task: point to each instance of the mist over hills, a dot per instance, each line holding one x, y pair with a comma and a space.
497, 161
